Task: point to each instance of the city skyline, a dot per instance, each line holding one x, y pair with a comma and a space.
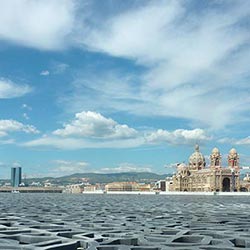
118, 86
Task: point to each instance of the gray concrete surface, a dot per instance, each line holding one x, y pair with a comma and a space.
123, 222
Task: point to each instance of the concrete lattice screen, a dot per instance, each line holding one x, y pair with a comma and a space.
123, 222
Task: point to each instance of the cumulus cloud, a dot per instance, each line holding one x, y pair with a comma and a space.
43, 24
9, 89
92, 124
179, 136
8, 126
92, 130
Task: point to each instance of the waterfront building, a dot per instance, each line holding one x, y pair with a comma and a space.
74, 189
89, 188
196, 177
122, 186
145, 187
128, 186
169, 183
16, 176
160, 185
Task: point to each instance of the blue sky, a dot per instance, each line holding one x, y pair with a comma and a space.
112, 86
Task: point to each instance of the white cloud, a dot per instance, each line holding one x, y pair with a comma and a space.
92, 124
6, 141
44, 73
173, 165
55, 142
43, 24
93, 130
3, 165
226, 140
196, 60
123, 33
65, 143
105, 92
244, 141
8, 126
234, 141
90, 130
163, 31
179, 136
63, 167
9, 89
2, 133
126, 167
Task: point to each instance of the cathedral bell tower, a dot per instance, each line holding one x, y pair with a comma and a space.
233, 158
215, 158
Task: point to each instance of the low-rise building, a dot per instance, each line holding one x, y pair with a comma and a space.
74, 189
169, 184
89, 188
143, 187
122, 186
160, 185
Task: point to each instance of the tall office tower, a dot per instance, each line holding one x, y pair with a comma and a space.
16, 176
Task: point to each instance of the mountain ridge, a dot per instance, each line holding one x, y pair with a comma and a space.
103, 178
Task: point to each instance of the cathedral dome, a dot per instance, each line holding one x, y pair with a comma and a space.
197, 159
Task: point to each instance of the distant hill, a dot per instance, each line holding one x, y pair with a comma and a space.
94, 178
106, 178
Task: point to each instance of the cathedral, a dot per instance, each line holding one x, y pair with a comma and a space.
196, 177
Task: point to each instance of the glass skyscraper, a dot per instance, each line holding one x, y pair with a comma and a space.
16, 176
